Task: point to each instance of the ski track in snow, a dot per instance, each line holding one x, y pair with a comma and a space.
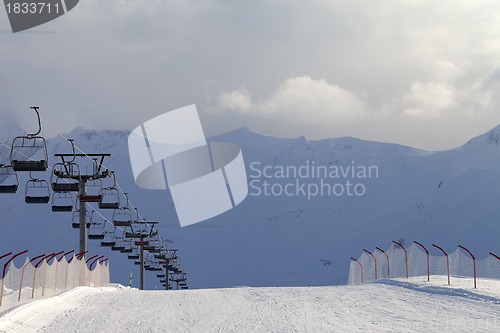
388, 306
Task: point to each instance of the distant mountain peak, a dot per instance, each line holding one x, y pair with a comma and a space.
491, 137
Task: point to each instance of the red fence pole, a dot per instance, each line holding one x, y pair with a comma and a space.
374, 260
9, 261
95, 260
388, 268
5, 255
494, 255
428, 260
406, 255
22, 274
34, 274
360, 265
94, 256
5, 268
473, 261
447, 261
78, 256
65, 254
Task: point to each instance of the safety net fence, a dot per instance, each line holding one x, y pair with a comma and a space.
416, 260
47, 276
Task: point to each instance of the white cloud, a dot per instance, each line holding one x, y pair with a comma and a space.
376, 70
238, 99
298, 101
429, 100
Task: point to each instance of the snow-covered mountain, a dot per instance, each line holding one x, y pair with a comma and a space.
290, 239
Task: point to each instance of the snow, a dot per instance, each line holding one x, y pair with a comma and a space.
386, 306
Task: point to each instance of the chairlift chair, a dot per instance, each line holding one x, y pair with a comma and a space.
110, 196
95, 236
122, 217
160, 256
118, 246
110, 199
132, 235
62, 202
75, 220
96, 230
64, 177
29, 152
93, 191
9, 183
108, 243
133, 256
37, 191
137, 263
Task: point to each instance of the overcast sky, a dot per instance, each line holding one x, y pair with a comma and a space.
419, 73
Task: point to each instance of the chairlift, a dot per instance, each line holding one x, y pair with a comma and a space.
62, 202
75, 220
108, 243
127, 250
37, 191
93, 191
95, 236
122, 217
110, 196
29, 152
137, 263
132, 235
133, 256
9, 183
160, 256
119, 245
160, 275
96, 230
65, 177
111, 240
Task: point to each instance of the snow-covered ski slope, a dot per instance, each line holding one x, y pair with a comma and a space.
387, 306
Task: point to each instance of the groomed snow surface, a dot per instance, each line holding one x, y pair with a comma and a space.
386, 306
